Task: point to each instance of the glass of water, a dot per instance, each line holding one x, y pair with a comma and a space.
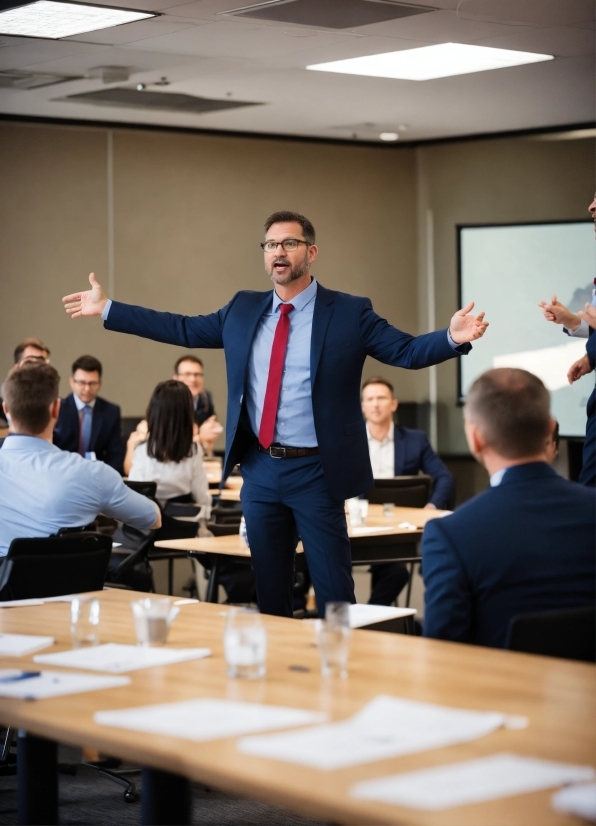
388, 509
84, 621
334, 639
245, 644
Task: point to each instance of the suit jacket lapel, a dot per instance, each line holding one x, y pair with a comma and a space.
399, 444
320, 322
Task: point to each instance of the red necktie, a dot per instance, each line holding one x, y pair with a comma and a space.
276, 366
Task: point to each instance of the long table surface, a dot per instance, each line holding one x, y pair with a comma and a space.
385, 526
557, 696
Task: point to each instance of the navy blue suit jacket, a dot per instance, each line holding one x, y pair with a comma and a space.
588, 473
413, 453
345, 330
524, 546
106, 437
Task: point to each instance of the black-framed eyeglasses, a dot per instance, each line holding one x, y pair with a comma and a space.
288, 245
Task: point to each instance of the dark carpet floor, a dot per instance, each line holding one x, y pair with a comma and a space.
88, 798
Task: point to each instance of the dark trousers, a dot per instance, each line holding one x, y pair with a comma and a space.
588, 474
283, 499
387, 581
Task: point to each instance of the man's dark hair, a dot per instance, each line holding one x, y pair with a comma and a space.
194, 359
170, 418
292, 217
28, 392
87, 363
30, 342
511, 407
379, 380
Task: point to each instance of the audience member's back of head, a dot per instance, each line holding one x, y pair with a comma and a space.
29, 392
511, 409
170, 418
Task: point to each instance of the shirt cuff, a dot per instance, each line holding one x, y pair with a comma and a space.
452, 343
581, 332
106, 309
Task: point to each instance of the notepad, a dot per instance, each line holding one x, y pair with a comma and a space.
18, 645
473, 781
206, 719
385, 727
362, 615
118, 658
53, 684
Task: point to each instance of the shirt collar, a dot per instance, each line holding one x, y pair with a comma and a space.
388, 438
23, 441
497, 478
80, 405
299, 301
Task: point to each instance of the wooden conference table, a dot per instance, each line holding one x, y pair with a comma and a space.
380, 539
557, 696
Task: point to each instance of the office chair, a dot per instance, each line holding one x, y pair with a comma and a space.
403, 491
570, 634
147, 489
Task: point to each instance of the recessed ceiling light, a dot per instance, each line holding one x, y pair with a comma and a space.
53, 19
430, 62
389, 136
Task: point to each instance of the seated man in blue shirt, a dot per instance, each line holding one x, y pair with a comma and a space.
397, 451
523, 546
43, 488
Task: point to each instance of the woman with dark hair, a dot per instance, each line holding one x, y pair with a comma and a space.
168, 455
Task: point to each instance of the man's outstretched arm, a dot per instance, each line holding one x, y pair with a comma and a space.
168, 328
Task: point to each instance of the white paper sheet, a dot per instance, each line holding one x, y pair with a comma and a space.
206, 719
577, 800
385, 727
458, 784
363, 531
361, 615
18, 645
119, 659
23, 603
54, 684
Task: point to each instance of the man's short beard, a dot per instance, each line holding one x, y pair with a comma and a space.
295, 273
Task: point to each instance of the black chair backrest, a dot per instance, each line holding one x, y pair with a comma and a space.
146, 488
403, 491
175, 529
54, 566
570, 633
222, 530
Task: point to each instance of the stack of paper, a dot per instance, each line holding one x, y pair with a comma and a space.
18, 645
121, 658
35, 685
385, 727
361, 615
472, 781
206, 719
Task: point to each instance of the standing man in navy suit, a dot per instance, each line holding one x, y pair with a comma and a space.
398, 451
88, 424
294, 358
523, 546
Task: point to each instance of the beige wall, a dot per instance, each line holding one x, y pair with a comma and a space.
188, 216
188, 212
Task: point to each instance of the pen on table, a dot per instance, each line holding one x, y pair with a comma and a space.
24, 675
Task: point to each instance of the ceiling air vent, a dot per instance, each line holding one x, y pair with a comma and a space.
171, 101
330, 14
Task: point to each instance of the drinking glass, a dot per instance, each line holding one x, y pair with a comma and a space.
363, 503
354, 512
84, 621
334, 639
153, 617
245, 644
388, 509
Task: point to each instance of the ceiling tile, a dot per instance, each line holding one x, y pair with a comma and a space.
562, 41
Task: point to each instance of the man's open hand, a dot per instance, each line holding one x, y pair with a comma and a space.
90, 302
467, 327
559, 314
578, 369
589, 315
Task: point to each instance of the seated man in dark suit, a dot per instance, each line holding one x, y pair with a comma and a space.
88, 424
523, 546
397, 451
190, 371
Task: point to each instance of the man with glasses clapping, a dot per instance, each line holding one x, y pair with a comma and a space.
88, 424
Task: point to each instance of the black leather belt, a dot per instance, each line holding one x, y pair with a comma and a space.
279, 452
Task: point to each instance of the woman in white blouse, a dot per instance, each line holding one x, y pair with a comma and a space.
167, 454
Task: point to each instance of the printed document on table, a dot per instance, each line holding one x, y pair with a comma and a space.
385, 727
33, 685
361, 615
118, 658
473, 781
18, 645
577, 800
207, 719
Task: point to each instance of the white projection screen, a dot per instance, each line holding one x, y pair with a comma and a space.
506, 270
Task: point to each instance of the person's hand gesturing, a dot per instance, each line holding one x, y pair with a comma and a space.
467, 327
91, 302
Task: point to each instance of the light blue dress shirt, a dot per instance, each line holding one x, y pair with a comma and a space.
295, 425
583, 331
43, 489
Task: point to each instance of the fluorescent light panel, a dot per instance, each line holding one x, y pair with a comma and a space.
430, 62
53, 20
